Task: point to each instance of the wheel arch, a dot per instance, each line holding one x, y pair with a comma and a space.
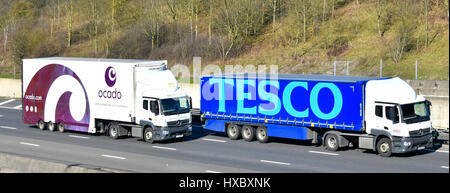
380, 134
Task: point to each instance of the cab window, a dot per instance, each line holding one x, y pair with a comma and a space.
145, 104
379, 111
391, 111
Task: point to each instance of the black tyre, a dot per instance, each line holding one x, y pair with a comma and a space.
384, 147
261, 135
41, 125
233, 131
248, 133
113, 131
148, 135
51, 126
61, 127
331, 142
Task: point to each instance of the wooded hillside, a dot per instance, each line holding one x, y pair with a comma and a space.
300, 36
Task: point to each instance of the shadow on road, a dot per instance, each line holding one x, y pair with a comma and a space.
197, 132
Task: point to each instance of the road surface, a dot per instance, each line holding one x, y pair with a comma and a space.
203, 152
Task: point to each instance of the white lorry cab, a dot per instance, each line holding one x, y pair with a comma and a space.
119, 97
394, 111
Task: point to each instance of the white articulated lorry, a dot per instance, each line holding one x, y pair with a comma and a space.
119, 97
380, 114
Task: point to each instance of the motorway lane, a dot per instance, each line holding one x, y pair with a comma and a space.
201, 152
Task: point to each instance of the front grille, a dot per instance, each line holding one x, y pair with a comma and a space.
420, 132
177, 123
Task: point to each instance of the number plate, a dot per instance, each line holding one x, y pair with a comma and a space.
421, 147
178, 136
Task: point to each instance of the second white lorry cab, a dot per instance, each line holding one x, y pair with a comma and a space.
394, 112
139, 98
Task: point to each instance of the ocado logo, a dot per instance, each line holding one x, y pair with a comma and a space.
110, 79
110, 76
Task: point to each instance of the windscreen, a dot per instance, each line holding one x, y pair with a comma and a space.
415, 112
175, 106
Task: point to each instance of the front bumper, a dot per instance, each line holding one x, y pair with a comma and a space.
409, 144
165, 133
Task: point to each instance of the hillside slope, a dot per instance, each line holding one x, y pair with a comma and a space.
298, 36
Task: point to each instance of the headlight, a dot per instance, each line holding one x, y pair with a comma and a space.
165, 132
407, 143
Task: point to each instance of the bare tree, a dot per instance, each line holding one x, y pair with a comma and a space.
379, 8
426, 23
69, 22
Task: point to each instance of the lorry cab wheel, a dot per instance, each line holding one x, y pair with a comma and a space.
384, 147
331, 142
41, 125
113, 131
261, 135
233, 131
148, 135
51, 126
248, 133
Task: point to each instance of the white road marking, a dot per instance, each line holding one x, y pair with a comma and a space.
30, 144
445, 167
275, 162
166, 148
8, 101
76, 136
111, 156
214, 140
319, 152
18, 107
6, 127
211, 171
442, 151
9, 108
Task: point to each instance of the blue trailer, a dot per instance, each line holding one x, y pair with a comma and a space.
303, 107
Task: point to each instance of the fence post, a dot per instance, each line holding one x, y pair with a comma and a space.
334, 67
381, 67
348, 71
416, 69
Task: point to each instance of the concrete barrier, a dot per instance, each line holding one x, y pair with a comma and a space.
16, 164
437, 92
430, 87
192, 90
10, 88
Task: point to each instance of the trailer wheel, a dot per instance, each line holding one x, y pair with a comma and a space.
233, 131
248, 133
331, 142
113, 131
261, 135
148, 135
61, 127
41, 125
384, 147
51, 126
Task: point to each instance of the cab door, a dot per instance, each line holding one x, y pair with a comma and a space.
381, 118
375, 117
145, 114
391, 117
